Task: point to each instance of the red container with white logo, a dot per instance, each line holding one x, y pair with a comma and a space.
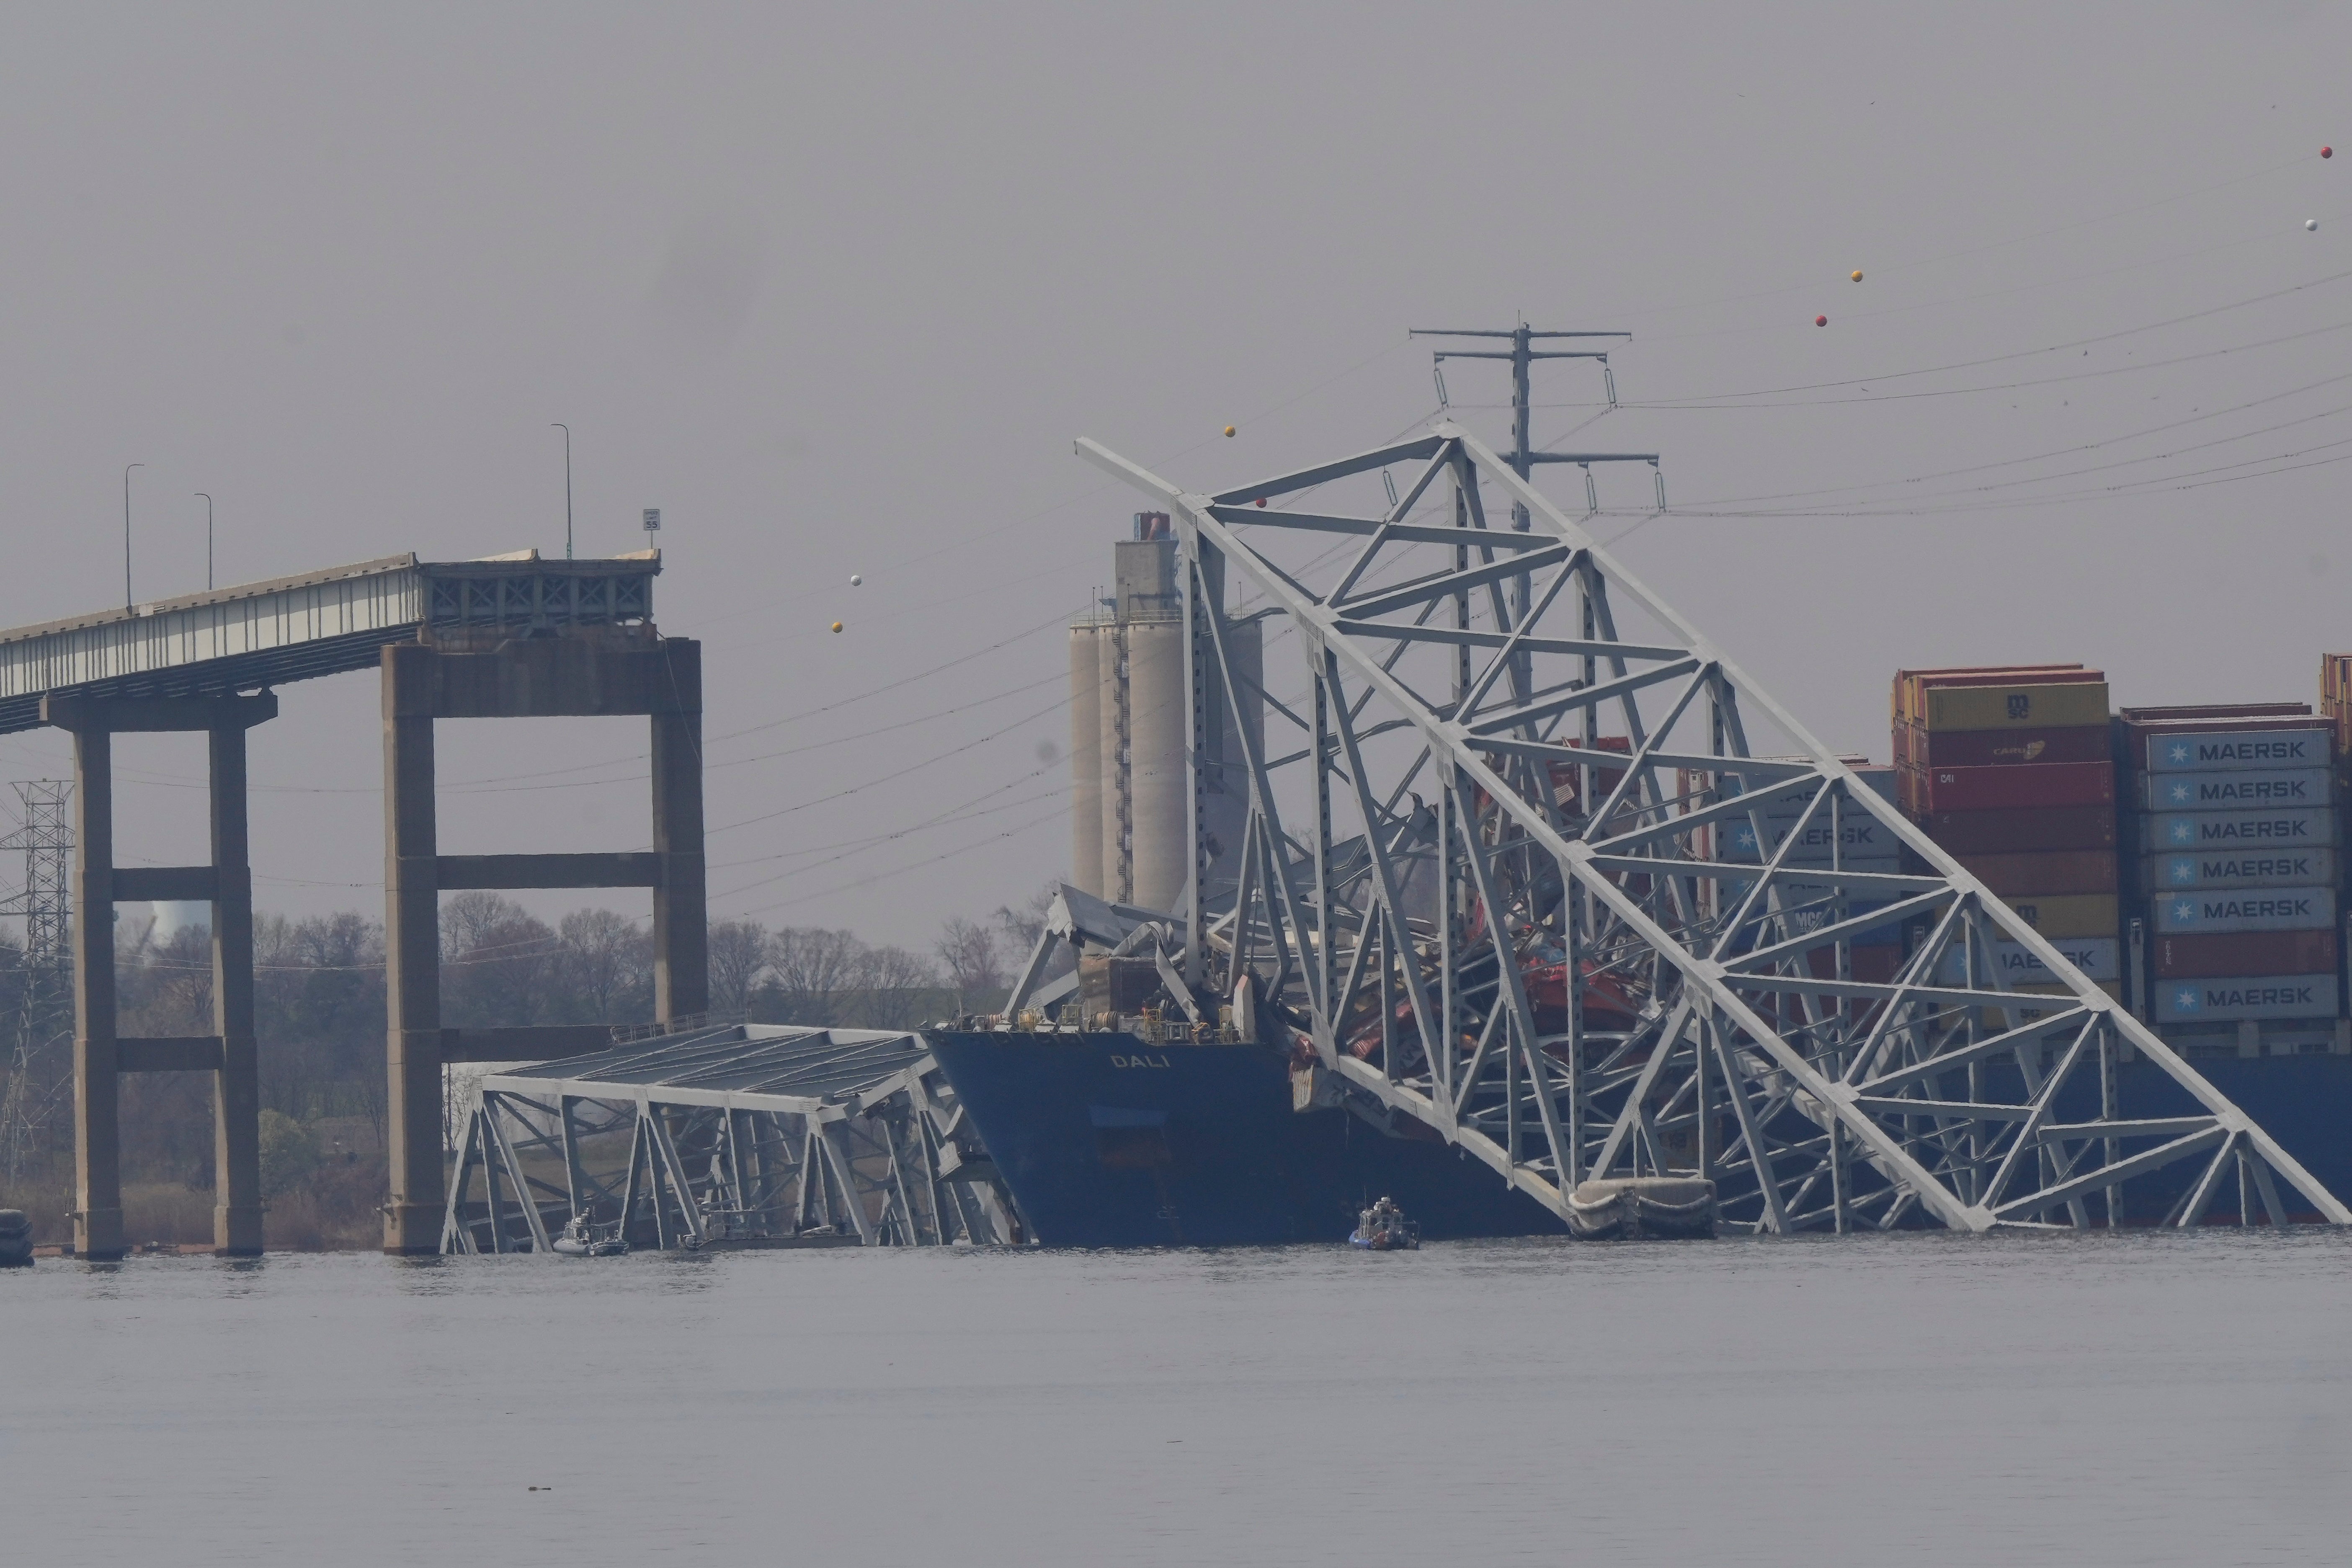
2004, 788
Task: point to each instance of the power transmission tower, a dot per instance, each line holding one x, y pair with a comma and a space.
45, 1005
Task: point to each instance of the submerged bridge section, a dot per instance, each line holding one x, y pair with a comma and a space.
740, 1135
512, 637
1604, 928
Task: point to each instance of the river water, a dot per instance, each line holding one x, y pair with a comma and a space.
1928, 1399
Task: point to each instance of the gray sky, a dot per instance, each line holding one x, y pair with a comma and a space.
835, 286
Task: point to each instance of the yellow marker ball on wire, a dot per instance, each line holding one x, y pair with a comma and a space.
1229, 429
1857, 274
837, 626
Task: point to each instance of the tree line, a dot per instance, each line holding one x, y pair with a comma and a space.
320, 1015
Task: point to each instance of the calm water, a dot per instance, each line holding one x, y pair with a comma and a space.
1914, 1400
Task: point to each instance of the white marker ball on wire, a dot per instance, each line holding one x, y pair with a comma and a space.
2311, 224
856, 580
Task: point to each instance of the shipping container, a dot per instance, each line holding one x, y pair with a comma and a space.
2335, 676
2207, 712
2035, 785
2015, 706
2235, 869
1911, 687
2243, 789
2002, 748
2044, 875
2070, 914
2013, 831
2246, 909
1865, 842
2307, 829
2244, 954
2245, 996
2174, 749
1872, 964
2097, 957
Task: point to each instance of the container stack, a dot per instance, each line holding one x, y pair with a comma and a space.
2009, 769
2231, 810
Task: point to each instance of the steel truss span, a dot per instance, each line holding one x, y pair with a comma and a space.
740, 1134
1528, 859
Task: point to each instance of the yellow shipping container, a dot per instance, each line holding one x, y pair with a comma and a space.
2070, 914
2015, 707
1997, 1018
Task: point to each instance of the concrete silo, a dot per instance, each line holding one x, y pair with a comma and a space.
1130, 673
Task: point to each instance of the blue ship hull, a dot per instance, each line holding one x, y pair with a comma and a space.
2303, 1102
1108, 1142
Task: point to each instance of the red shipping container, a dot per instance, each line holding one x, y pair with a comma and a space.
2008, 748
2045, 876
2032, 785
1874, 964
2022, 829
2245, 953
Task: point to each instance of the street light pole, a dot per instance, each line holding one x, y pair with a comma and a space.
128, 603
208, 540
567, 486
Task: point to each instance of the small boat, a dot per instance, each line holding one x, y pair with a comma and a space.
16, 1239
1384, 1228
582, 1237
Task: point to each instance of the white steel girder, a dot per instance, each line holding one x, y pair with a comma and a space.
732, 1135
1615, 938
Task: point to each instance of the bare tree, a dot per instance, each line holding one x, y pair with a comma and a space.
895, 988
738, 953
814, 970
605, 967
975, 967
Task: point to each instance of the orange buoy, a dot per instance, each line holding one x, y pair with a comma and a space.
1857, 274
1821, 320
837, 626
1229, 429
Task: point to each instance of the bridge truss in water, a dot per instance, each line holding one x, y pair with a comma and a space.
1539, 867
731, 1135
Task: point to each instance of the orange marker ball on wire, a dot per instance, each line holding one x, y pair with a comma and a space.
1821, 320
1229, 429
1857, 274
837, 626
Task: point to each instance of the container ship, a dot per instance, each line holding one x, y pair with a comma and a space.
2186, 858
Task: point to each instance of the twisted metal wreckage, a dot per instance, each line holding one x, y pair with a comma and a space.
1546, 871
737, 1135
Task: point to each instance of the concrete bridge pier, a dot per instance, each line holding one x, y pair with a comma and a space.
99, 1050
582, 671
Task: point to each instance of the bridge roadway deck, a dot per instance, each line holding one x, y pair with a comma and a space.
260, 635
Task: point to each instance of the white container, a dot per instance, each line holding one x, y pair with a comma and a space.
2268, 749
2261, 996
2224, 910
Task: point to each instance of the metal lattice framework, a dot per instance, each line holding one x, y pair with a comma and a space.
45, 1002
1542, 869
738, 1133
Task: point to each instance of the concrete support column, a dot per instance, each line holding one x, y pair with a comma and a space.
681, 897
237, 1083
98, 1139
412, 927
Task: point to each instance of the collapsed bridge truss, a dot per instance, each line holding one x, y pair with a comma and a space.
740, 1134
1541, 869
